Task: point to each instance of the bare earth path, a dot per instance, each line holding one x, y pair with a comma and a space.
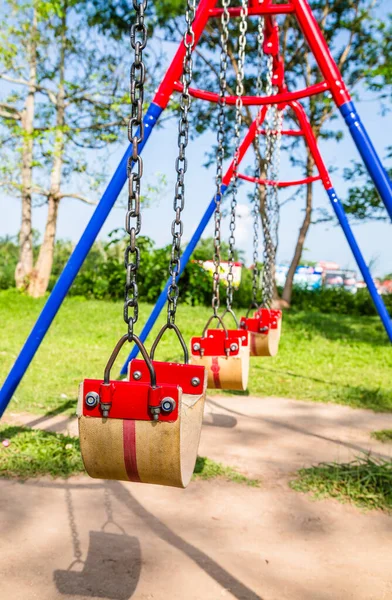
216, 539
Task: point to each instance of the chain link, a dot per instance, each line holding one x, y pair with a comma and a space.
181, 164
238, 123
270, 219
220, 153
257, 192
138, 40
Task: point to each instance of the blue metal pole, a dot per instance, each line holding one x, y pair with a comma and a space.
379, 304
369, 154
163, 295
72, 267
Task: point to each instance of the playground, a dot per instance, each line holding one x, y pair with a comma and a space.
250, 542
205, 437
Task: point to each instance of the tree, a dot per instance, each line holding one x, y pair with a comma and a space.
58, 105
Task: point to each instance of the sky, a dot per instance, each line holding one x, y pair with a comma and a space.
324, 241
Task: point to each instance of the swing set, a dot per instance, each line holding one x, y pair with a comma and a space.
147, 428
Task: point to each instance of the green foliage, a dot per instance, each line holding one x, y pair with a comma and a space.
9, 251
366, 482
102, 277
35, 453
384, 435
206, 468
337, 301
362, 201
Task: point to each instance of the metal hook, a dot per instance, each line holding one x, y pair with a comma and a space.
220, 322
180, 339
253, 305
231, 312
143, 351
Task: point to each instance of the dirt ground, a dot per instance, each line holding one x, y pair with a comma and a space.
85, 538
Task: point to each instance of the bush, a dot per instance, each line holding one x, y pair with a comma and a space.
336, 301
102, 276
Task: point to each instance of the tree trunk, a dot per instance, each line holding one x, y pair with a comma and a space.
25, 263
288, 286
41, 273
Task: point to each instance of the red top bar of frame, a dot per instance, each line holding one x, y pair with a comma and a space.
257, 8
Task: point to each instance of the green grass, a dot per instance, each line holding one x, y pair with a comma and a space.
384, 435
35, 453
27, 453
365, 482
208, 469
327, 358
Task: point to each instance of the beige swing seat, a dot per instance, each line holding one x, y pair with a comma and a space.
151, 433
225, 355
264, 329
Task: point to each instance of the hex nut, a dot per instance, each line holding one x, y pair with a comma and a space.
195, 381
233, 347
168, 405
196, 347
137, 375
91, 399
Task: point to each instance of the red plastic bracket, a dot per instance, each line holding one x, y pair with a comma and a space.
130, 400
184, 376
262, 321
217, 344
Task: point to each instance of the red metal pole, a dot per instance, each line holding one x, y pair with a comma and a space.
281, 98
321, 51
174, 72
311, 141
279, 184
248, 139
264, 9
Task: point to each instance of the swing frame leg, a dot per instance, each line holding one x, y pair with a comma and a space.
341, 216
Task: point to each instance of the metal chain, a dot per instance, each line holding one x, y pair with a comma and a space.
257, 192
269, 246
275, 209
181, 164
220, 153
138, 40
238, 123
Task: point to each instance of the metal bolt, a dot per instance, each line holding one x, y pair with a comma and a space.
195, 381
105, 408
137, 375
168, 405
243, 338
233, 347
92, 399
155, 411
196, 347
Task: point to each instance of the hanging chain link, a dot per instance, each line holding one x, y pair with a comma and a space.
238, 123
257, 192
225, 18
275, 168
138, 40
268, 216
181, 164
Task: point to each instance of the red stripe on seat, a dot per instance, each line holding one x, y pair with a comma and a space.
215, 368
253, 349
129, 443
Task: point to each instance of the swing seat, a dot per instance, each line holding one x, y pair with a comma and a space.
225, 355
151, 434
264, 330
